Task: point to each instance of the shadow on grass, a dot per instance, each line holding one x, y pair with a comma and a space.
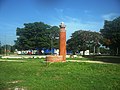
108, 59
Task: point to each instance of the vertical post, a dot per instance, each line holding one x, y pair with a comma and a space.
51, 44
62, 46
94, 50
117, 51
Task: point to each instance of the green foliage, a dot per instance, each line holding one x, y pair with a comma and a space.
36, 35
111, 34
36, 75
6, 49
104, 50
83, 40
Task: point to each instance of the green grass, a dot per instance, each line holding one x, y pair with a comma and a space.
108, 59
83, 58
38, 75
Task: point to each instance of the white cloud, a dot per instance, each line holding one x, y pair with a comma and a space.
110, 16
78, 25
74, 24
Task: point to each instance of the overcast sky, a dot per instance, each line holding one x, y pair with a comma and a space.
77, 14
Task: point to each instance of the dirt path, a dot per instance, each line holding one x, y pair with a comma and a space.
100, 62
12, 60
87, 61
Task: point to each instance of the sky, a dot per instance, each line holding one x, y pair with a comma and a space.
76, 14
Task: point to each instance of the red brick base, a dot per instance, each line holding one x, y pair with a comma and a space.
54, 58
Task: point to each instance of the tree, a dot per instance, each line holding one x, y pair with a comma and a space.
83, 40
6, 49
111, 35
54, 36
36, 36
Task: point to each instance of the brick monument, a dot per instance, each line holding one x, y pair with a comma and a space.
62, 47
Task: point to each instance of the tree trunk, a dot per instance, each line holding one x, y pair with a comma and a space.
98, 50
83, 53
117, 51
94, 51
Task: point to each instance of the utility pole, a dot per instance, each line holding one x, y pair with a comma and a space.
5, 46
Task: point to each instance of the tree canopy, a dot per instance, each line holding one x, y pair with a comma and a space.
111, 35
36, 35
82, 40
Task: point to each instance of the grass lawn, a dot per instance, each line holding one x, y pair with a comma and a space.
38, 75
107, 59
83, 58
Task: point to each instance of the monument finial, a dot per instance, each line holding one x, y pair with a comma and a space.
62, 25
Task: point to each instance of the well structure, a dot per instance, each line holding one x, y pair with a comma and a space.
62, 46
